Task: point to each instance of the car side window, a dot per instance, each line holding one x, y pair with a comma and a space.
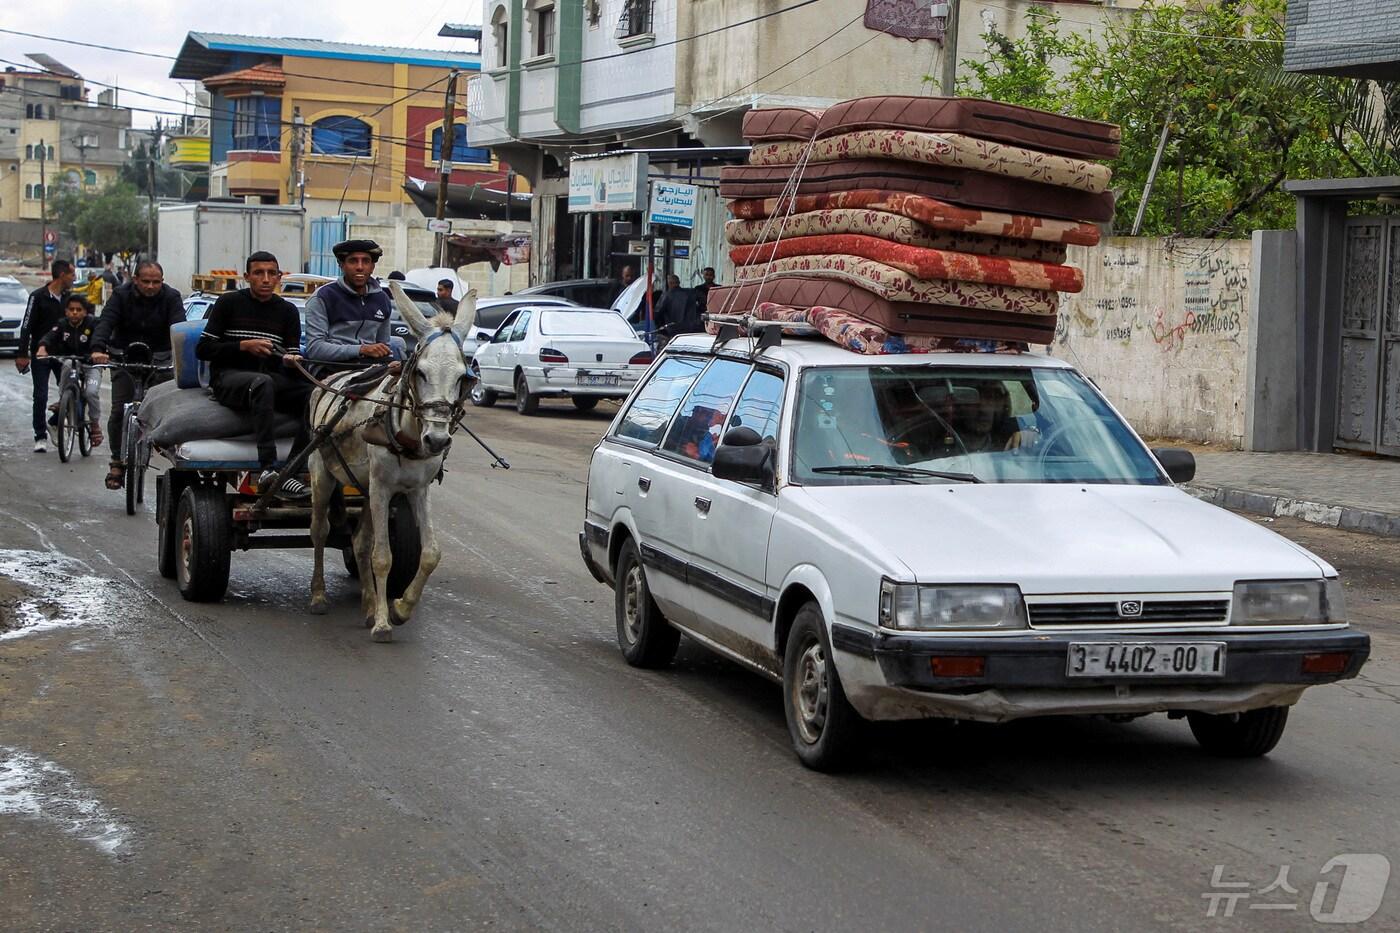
503, 334
493, 318
657, 400
760, 405
522, 324
695, 432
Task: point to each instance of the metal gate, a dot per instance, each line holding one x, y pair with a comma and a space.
1368, 384
325, 233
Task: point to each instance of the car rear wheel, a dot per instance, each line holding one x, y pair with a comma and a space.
585, 402
824, 727
525, 403
643, 634
1239, 735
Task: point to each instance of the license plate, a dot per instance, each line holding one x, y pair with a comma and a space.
1146, 659
594, 379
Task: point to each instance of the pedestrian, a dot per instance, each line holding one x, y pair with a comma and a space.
626, 275
445, 301
41, 315
140, 311
252, 336
676, 312
702, 291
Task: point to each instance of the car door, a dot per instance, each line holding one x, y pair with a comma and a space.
488, 357
684, 467
510, 353
651, 488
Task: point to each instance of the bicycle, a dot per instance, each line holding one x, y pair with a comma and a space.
136, 449
70, 422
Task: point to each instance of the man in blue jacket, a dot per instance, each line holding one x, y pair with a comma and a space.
347, 321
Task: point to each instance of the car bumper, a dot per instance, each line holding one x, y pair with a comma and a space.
891, 676
564, 380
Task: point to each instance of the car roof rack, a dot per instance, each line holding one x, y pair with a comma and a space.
769, 333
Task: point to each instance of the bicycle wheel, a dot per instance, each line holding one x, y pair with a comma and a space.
66, 424
129, 448
143, 455
84, 438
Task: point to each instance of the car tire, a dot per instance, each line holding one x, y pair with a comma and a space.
1239, 735
481, 396
525, 403
643, 634
825, 728
585, 402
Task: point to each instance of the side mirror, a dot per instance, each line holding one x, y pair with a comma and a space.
1179, 464
748, 461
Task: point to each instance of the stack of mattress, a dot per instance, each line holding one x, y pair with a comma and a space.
914, 222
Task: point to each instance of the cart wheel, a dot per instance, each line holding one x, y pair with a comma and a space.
166, 525
134, 467
204, 544
404, 544
352, 566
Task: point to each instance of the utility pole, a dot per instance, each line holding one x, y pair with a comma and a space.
295, 187
449, 118
43, 205
151, 191
948, 86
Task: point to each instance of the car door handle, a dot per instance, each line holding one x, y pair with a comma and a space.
644, 483
702, 505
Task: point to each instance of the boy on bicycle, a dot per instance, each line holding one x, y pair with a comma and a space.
72, 336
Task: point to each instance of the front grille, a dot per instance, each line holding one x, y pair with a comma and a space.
1187, 610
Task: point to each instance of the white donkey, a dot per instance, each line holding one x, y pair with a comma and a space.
392, 439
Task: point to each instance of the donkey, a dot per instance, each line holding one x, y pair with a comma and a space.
392, 439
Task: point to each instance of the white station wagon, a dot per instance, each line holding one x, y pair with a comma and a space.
969, 536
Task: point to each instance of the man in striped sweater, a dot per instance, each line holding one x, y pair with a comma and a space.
250, 338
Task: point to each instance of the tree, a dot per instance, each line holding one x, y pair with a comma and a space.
114, 221
1238, 125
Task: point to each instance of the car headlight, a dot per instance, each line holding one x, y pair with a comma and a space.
916, 607
1288, 602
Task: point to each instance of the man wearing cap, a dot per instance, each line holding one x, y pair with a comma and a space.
347, 321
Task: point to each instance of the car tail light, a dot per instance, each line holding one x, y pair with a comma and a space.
958, 666
641, 359
551, 355
1334, 662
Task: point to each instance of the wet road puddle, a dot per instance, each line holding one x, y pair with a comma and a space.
33, 788
43, 590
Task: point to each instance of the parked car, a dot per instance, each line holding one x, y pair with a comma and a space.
974, 537
421, 297
13, 299
491, 312
583, 354
590, 293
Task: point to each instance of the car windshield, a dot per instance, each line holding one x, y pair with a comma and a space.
13, 295
584, 324
941, 424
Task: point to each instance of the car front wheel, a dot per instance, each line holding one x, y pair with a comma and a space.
1239, 735
481, 396
825, 728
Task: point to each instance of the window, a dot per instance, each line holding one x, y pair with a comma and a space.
543, 29
695, 432
503, 332
500, 34
585, 324
653, 406
461, 152
760, 405
636, 19
29, 152
255, 123
340, 136
522, 325
89, 178
50, 155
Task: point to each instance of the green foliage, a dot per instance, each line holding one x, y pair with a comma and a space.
113, 220
1238, 124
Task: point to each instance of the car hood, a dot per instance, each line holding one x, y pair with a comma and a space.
1052, 538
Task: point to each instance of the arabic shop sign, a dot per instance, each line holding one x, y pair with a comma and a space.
673, 204
612, 183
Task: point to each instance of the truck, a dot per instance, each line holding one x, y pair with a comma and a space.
208, 235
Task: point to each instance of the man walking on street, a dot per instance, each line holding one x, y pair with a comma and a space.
141, 311
251, 337
41, 315
347, 321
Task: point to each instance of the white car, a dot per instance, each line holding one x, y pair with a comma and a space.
968, 536
14, 297
492, 312
540, 351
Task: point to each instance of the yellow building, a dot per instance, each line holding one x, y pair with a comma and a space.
336, 127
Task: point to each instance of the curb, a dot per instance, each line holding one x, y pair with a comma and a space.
1348, 518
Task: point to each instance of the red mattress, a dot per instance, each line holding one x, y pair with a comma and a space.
860, 336
898, 317
960, 186
775, 123
932, 212
920, 262
1022, 126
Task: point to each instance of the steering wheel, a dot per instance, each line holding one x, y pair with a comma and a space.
923, 422
1047, 443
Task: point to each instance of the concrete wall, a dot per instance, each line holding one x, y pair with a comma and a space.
1164, 329
1340, 34
1271, 383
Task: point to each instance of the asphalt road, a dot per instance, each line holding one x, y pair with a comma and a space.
246, 765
